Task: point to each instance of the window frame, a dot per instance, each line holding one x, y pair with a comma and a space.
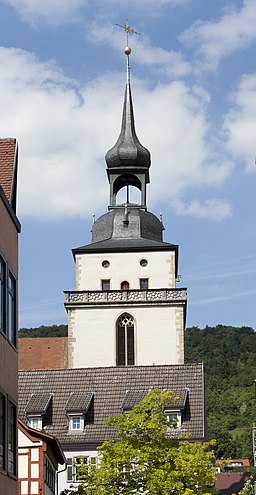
32, 419
144, 283
73, 464
12, 439
2, 295
178, 418
8, 302
12, 309
71, 419
125, 341
3, 422
105, 281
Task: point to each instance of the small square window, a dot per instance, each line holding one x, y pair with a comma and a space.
36, 422
105, 284
76, 423
175, 417
143, 283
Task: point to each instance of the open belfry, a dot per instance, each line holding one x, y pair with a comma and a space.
126, 309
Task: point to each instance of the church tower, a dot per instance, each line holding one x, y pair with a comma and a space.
126, 309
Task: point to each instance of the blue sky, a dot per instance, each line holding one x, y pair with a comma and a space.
194, 90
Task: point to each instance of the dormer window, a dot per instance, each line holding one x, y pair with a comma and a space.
76, 409
175, 417
35, 422
36, 410
76, 423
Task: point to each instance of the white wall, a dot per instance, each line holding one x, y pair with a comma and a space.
92, 334
62, 477
125, 266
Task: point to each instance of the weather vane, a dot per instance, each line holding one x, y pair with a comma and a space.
128, 30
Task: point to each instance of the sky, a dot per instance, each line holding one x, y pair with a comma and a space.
193, 72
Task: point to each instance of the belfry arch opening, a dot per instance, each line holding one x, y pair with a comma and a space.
130, 188
128, 194
125, 340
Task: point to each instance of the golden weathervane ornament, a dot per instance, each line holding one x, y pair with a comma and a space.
128, 30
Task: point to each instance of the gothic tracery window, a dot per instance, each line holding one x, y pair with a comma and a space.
125, 354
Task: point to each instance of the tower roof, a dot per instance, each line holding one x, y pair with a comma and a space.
128, 152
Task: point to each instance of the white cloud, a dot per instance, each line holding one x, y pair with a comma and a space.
215, 40
214, 209
52, 11
240, 122
64, 131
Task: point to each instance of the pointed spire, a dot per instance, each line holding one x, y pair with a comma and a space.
128, 151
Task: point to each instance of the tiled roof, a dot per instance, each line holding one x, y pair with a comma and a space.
8, 151
109, 386
38, 403
133, 397
79, 402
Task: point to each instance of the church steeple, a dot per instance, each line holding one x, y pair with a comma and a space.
128, 161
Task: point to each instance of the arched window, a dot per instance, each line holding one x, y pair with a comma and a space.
125, 354
125, 285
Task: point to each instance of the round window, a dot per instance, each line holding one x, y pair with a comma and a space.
143, 262
105, 264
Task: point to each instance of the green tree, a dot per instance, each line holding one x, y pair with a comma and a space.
44, 331
146, 459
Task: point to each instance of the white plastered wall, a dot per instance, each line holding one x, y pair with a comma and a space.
160, 270
63, 484
93, 343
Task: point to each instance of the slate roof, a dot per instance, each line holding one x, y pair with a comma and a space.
109, 386
118, 245
8, 168
128, 151
38, 403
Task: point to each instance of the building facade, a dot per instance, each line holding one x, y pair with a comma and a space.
9, 229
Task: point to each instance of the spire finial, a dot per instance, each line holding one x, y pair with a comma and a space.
128, 30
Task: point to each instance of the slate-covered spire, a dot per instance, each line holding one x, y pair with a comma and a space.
128, 161
128, 151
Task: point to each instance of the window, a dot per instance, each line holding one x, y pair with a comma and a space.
105, 284
2, 431
12, 309
76, 466
11, 438
143, 283
76, 423
36, 422
175, 417
105, 264
125, 354
125, 285
8, 321
2, 295
143, 262
49, 474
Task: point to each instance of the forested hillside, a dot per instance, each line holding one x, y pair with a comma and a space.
229, 356
45, 331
